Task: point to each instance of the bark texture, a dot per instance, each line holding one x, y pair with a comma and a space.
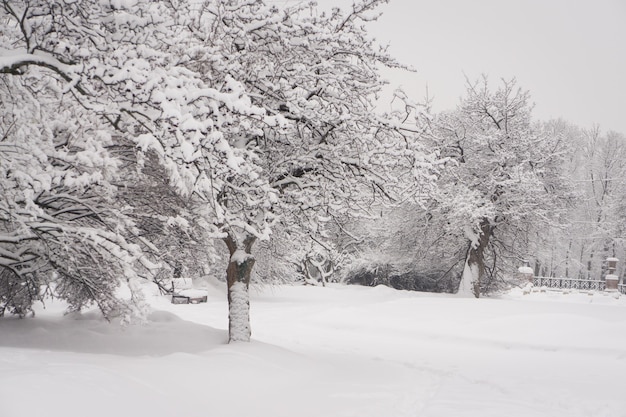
475, 261
238, 281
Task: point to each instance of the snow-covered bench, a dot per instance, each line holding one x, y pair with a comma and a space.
183, 293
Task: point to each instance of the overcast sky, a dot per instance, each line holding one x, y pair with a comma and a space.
570, 54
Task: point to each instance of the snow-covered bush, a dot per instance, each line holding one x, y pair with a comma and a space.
402, 277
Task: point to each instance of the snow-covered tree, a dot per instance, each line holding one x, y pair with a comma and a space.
605, 172
132, 66
596, 168
406, 247
254, 112
505, 180
57, 223
322, 152
164, 221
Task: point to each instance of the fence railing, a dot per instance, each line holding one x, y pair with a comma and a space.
610, 283
570, 283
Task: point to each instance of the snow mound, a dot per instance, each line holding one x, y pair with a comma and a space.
164, 333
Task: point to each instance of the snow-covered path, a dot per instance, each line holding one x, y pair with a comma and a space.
339, 351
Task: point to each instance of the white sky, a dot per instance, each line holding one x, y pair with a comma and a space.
570, 54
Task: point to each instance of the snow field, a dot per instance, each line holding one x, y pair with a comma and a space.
335, 351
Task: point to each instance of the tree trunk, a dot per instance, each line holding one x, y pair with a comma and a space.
238, 281
475, 263
537, 271
567, 258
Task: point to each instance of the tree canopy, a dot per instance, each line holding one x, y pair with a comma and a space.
255, 113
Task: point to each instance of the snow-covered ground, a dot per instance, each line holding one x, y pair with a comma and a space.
320, 352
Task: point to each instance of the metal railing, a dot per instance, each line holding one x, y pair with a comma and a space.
573, 284
579, 284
